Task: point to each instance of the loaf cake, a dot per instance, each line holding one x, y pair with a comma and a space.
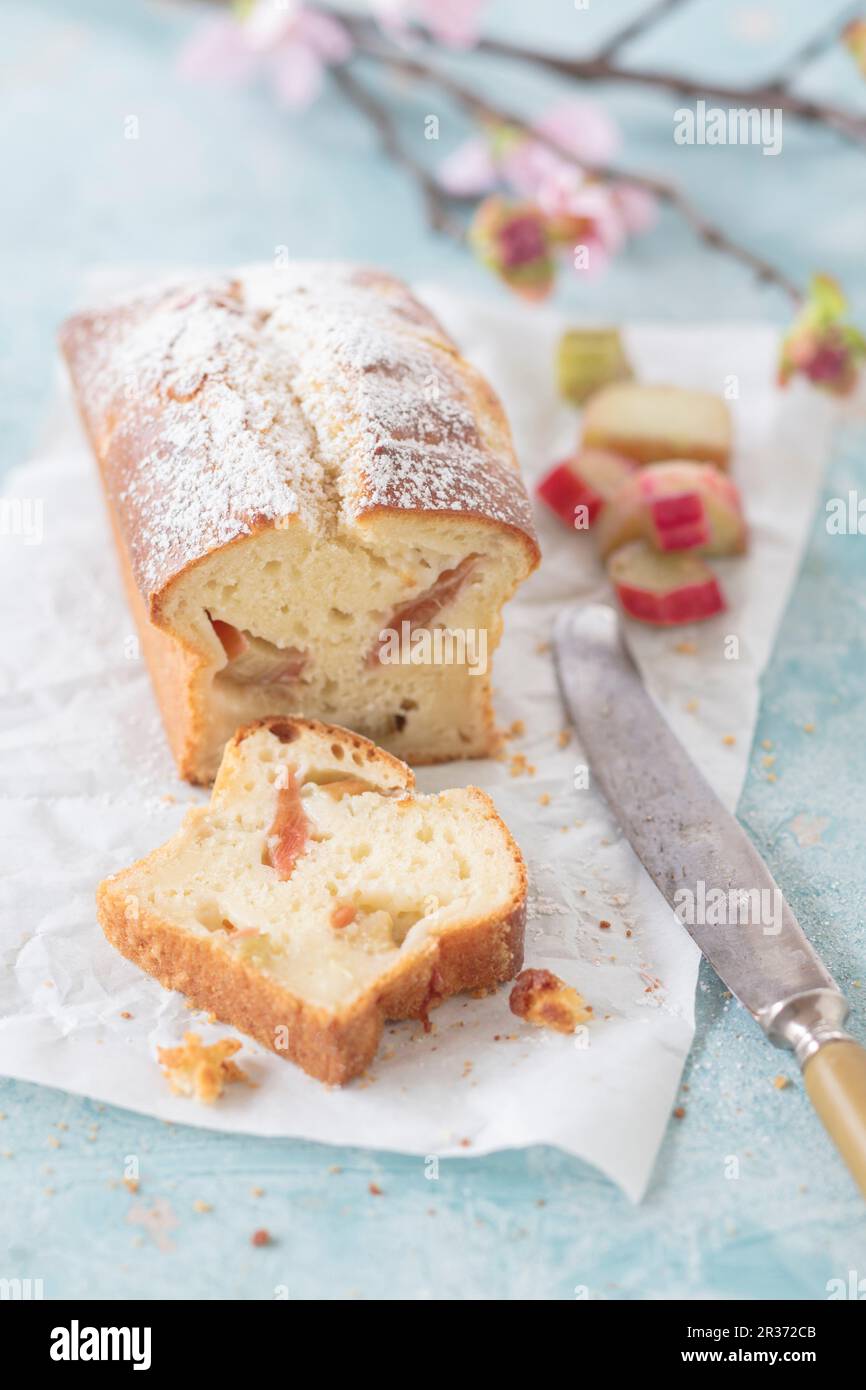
305, 480
317, 896
651, 423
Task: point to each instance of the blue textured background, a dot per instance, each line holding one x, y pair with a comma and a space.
221, 176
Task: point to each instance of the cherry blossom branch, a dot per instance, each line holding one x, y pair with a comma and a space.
436, 200
601, 67
493, 114
639, 25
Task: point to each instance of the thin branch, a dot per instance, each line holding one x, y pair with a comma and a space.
436, 200
816, 46
639, 25
602, 68
846, 123
666, 192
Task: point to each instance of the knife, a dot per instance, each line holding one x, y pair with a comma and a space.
707, 868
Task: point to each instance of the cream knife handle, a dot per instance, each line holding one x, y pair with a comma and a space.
835, 1079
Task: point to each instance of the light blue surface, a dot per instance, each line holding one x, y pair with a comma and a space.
220, 176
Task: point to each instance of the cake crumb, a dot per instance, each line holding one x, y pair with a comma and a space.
126, 1014
809, 728
375, 1190
261, 1237
686, 648
563, 738
194, 1069
766, 743
604, 924
131, 1185
680, 1112
545, 1000
544, 799
691, 706
199, 1205
257, 1192
781, 1082
729, 740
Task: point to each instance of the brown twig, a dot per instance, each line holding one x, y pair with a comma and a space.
770, 94
436, 200
601, 67
639, 25
493, 114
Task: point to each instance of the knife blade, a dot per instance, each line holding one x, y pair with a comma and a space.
708, 870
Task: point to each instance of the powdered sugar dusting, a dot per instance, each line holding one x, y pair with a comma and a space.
312, 390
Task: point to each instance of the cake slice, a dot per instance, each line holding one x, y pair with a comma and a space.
652, 423
317, 896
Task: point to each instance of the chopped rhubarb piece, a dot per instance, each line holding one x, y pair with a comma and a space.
678, 505
233, 640
664, 589
287, 837
421, 611
587, 480
255, 661
588, 358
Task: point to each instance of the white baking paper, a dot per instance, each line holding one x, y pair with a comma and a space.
89, 786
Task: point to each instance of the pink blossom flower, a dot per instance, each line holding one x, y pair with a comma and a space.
820, 344
452, 22
511, 238
469, 170
291, 45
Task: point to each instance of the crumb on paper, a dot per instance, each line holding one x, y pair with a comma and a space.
132, 1185
199, 1205
194, 1069
729, 740
375, 1190
544, 799
691, 706
809, 728
680, 1112
519, 765
772, 777
257, 1192
604, 924
260, 1237
781, 1082
545, 1000
563, 738
766, 743
516, 730
126, 1014
686, 648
